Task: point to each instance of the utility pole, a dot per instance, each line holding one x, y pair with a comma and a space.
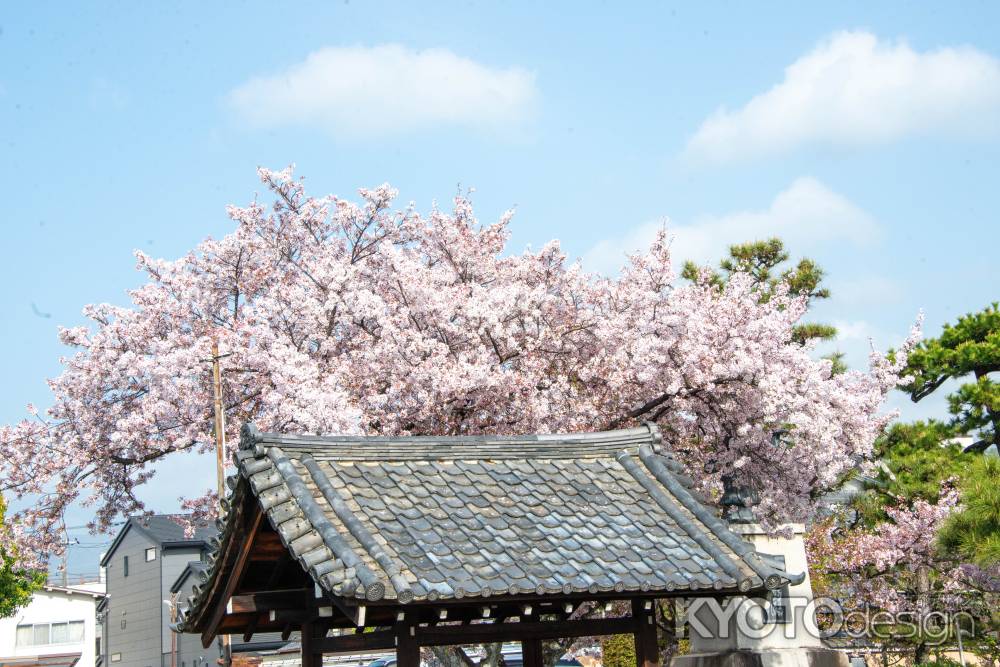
65, 558
173, 635
220, 423
220, 460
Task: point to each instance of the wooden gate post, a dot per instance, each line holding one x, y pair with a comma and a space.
647, 650
531, 652
407, 647
311, 657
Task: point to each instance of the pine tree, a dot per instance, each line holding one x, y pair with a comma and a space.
968, 350
974, 530
918, 457
763, 260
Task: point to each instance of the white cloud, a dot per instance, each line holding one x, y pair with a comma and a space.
854, 89
855, 330
806, 215
855, 339
387, 89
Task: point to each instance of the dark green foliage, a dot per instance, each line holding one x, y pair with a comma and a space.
837, 359
919, 459
16, 585
763, 260
916, 463
969, 349
618, 651
940, 661
813, 331
974, 530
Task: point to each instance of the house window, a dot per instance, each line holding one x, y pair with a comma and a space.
116, 657
44, 634
150, 554
125, 568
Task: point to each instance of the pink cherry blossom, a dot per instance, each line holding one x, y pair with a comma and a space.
897, 565
355, 317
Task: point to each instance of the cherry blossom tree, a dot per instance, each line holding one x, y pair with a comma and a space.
899, 566
342, 317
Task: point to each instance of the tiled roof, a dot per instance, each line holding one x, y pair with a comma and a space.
165, 530
435, 518
170, 528
195, 567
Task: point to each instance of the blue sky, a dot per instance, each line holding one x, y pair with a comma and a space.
867, 134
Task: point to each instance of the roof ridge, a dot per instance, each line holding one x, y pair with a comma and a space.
649, 482
771, 577
367, 541
382, 448
372, 588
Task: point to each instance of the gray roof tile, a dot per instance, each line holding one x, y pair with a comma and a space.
418, 518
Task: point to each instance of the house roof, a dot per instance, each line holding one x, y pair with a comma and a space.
71, 590
51, 660
424, 519
165, 530
194, 567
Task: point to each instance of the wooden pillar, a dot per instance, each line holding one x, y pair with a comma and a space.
531, 647
531, 652
407, 646
647, 650
311, 657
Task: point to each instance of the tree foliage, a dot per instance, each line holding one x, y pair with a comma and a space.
16, 583
342, 317
916, 460
966, 350
762, 261
929, 534
973, 531
618, 651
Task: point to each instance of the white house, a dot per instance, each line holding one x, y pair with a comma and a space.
56, 629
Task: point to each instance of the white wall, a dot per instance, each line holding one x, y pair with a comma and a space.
53, 605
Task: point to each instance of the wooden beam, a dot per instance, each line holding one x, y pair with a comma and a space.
233, 576
265, 601
251, 628
647, 650
556, 599
466, 660
484, 633
275, 575
268, 547
366, 641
